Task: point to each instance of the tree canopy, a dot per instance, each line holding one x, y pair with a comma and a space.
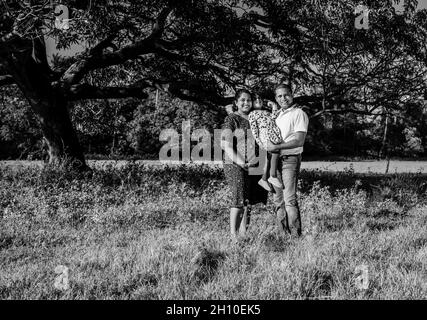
202, 50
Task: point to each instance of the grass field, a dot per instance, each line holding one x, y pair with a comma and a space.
162, 233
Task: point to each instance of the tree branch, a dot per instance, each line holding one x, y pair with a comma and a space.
197, 93
6, 80
345, 111
85, 91
79, 69
159, 25
107, 42
95, 59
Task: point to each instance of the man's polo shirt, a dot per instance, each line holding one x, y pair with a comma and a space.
290, 121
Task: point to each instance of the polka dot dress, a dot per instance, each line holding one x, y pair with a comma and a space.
244, 188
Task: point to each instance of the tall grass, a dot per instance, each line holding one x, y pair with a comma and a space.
162, 233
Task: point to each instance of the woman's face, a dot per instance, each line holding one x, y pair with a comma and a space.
244, 103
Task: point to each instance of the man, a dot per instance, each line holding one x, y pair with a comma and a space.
293, 124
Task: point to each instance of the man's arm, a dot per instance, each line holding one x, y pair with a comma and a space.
295, 143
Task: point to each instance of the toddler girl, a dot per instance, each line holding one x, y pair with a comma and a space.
264, 129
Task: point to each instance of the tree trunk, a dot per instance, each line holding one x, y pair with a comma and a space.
32, 74
383, 149
61, 138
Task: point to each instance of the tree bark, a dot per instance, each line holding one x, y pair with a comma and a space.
61, 138
34, 78
383, 149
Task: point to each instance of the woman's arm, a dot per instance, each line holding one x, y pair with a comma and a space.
227, 137
233, 155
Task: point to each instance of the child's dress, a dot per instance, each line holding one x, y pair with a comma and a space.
264, 128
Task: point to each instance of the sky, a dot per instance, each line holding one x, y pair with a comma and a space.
422, 4
50, 43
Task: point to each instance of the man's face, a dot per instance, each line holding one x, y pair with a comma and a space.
284, 98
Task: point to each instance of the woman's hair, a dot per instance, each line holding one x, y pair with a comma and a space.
238, 94
283, 86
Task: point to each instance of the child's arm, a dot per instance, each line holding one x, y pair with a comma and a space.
254, 128
274, 109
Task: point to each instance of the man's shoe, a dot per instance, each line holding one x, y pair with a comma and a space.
265, 185
275, 182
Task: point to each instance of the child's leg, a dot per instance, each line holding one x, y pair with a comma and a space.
267, 168
273, 164
263, 182
274, 180
244, 224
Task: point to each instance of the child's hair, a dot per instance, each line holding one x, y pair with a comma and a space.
256, 96
238, 94
263, 101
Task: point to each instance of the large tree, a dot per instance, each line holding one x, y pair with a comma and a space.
195, 50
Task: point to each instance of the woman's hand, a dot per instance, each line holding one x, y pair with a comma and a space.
244, 166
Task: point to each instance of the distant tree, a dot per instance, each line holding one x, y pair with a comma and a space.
20, 136
151, 117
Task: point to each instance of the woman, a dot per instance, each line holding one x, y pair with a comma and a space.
240, 154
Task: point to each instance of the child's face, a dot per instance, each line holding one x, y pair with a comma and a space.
258, 103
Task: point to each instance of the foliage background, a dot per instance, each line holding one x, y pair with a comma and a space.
130, 129
364, 90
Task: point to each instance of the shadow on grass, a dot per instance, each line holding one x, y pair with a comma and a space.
276, 243
205, 264
316, 284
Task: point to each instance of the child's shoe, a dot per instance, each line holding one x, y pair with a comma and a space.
275, 182
265, 185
